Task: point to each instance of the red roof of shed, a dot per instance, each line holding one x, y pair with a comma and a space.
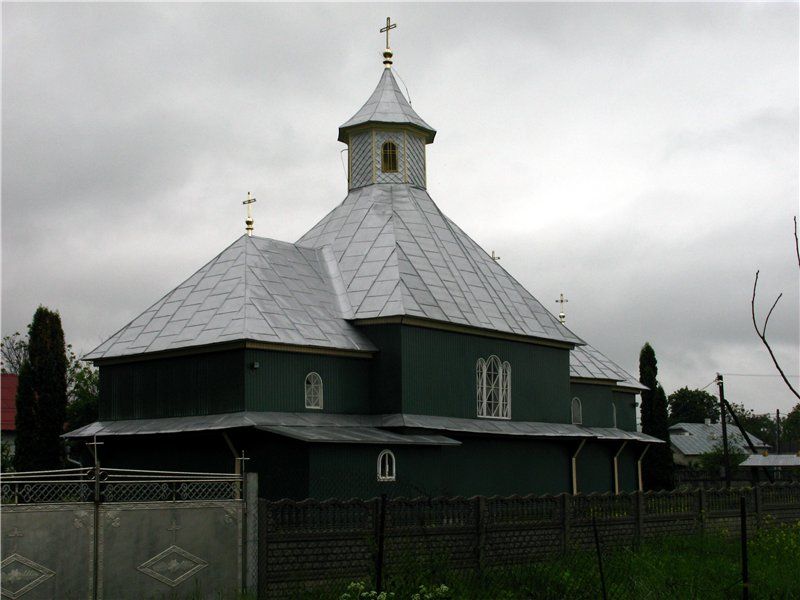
8, 402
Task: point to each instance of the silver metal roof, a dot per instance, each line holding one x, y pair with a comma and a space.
399, 255
356, 435
587, 361
514, 428
491, 426
256, 289
301, 424
612, 433
691, 439
772, 460
387, 104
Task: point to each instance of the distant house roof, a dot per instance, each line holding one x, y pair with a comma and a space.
8, 402
772, 460
691, 439
588, 362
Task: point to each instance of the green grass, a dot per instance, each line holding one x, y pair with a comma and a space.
696, 566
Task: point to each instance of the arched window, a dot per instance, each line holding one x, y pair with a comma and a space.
313, 390
577, 411
614, 414
493, 386
389, 157
386, 466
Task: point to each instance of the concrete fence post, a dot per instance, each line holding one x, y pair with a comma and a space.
481, 513
251, 548
702, 509
566, 510
757, 502
638, 511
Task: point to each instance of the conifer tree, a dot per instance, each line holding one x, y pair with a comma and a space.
657, 466
42, 395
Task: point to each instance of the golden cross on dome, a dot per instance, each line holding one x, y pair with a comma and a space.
389, 25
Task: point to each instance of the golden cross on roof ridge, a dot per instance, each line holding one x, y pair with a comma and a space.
389, 25
562, 317
248, 222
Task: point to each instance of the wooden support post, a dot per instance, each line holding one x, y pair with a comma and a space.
575, 467
639, 468
726, 459
616, 467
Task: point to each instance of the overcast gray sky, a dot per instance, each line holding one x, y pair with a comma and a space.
640, 158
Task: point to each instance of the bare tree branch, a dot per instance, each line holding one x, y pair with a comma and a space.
796, 242
13, 352
762, 333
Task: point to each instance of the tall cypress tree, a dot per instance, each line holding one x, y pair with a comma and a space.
657, 466
42, 395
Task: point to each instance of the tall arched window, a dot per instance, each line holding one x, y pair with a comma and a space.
493, 387
577, 411
614, 414
389, 157
386, 466
313, 390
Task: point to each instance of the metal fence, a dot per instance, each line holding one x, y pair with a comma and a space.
316, 547
94, 484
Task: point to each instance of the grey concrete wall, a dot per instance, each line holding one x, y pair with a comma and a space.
144, 550
47, 551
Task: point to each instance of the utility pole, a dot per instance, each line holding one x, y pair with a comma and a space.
725, 454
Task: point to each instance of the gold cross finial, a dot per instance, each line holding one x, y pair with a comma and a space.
562, 317
495, 258
248, 222
387, 54
389, 25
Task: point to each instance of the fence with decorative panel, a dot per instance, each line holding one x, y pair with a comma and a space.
116, 533
308, 546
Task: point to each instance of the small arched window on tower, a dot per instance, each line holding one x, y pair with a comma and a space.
389, 157
386, 466
313, 390
577, 411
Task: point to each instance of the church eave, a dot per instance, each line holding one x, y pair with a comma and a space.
234, 345
346, 130
466, 329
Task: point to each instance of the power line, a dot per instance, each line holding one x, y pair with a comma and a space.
713, 381
754, 375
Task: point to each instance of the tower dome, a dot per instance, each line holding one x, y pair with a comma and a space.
386, 139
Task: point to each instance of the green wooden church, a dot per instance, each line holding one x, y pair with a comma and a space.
383, 352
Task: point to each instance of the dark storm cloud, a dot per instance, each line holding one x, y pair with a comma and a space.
641, 158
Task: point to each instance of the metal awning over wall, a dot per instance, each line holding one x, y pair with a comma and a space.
356, 435
306, 426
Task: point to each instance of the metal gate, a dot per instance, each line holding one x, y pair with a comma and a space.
119, 533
